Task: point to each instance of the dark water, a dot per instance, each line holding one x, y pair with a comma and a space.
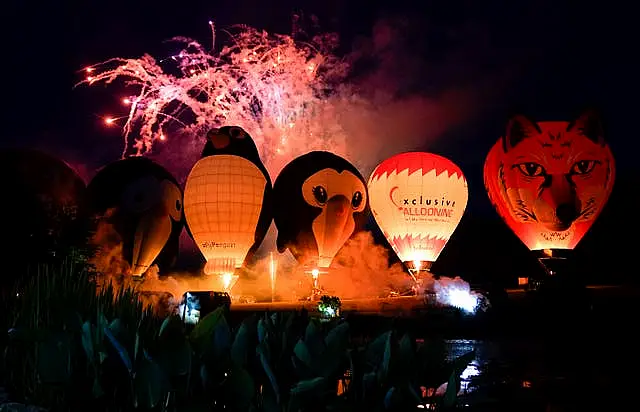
557, 353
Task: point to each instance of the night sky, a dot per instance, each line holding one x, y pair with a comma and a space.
548, 59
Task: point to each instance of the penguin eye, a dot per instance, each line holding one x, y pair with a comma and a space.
356, 200
236, 133
320, 193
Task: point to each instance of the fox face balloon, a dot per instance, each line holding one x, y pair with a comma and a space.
143, 203
227, 200
550, 180
418, 199
321, 200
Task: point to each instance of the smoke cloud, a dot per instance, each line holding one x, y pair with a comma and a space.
399, 102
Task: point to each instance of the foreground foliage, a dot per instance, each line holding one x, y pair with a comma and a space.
73, 349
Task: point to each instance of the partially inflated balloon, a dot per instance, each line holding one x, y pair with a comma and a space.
43, 209
550, 180
228, 200
321, 200
143, 203
418, 200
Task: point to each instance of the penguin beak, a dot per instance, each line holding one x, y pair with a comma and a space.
152, 233
219, 140
332, 231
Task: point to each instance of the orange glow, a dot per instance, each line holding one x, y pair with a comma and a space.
550, 180
222, 223
163, 137
126, 101
523, 281
109, 120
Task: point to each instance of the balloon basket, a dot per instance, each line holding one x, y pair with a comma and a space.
419, 271
558, 269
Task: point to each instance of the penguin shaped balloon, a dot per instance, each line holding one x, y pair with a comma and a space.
143, 203
228, 200
321, 201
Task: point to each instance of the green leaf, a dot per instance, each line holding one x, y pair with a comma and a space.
202, 334
171, 327
221, 339
96, 389
149, 384
176, 360
385, 367
406, 356
116, 327
309, 385
375, 349
240, 384
302, 352
451, 394
262, 330
314, 339
262, 350
459, 365
306, 392
88, 334
54, 359
240, 346
122, 351
137, 346
336, 344
389, 398
338, 337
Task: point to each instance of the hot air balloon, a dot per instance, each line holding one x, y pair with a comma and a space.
320, 202
142, 202
549, 181
418, 199
43, 209
228, 202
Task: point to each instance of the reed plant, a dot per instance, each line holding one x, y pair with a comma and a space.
73, 348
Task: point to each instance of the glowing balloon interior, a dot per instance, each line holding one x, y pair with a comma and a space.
418, 200
223, 200
550, 180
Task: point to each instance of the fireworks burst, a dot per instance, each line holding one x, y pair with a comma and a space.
285, 93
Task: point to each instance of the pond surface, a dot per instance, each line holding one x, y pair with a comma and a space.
556, 355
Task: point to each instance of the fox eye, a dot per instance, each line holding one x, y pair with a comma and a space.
531, 169
583, 167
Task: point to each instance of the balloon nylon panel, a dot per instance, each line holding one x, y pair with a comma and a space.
222, 203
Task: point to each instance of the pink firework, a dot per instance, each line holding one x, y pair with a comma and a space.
283, 92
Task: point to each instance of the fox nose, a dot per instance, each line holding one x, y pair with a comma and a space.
566, 213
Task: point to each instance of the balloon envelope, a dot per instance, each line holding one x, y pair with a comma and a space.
142, 201
43, 208
418, 199
320, 201
550, 180
224, 197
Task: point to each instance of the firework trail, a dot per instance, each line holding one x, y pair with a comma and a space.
286, 94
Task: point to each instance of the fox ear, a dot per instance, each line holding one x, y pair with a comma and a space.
519, 128
589, 125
